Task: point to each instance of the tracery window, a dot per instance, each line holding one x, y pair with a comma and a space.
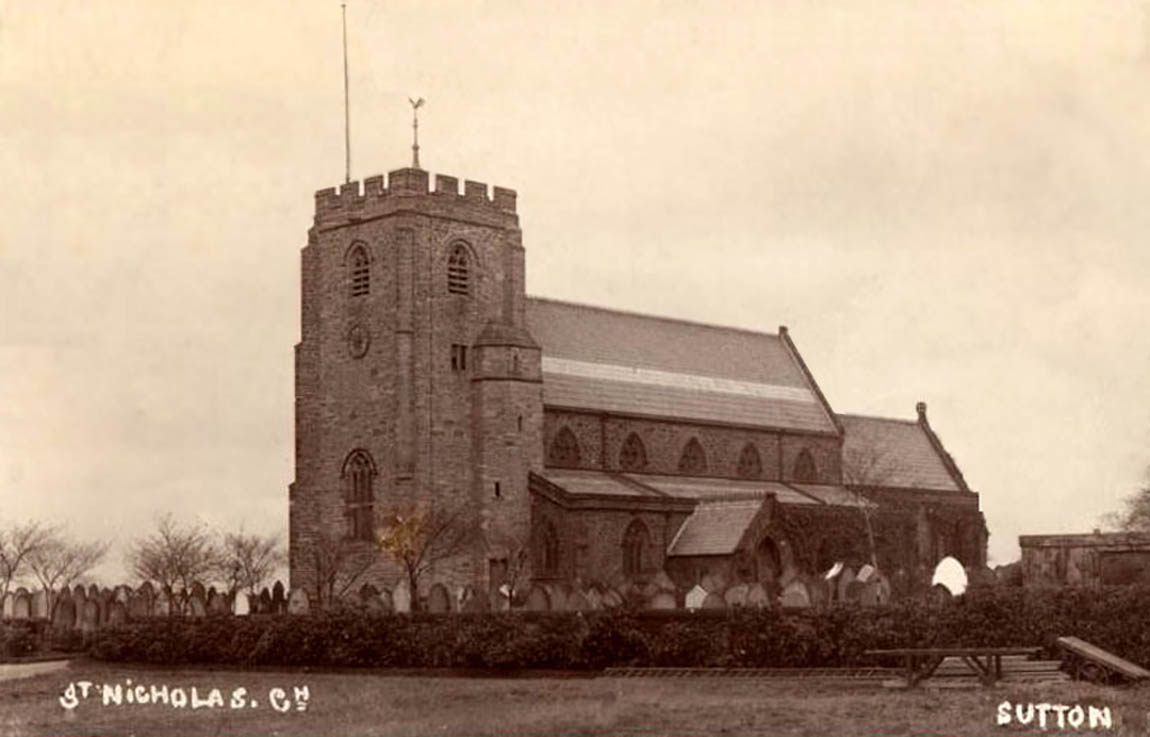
635, 541
694, 459
459, 270
633, 456
805, 470
564, 450
359, 495
360, 271
750, 464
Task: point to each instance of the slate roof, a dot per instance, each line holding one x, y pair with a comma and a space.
834, 495
596, 482
607, 360
892, 453
715, 527
694, 487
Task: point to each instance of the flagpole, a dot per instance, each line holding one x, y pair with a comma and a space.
346, 114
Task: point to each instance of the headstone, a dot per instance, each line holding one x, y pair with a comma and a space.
795, 595
117, 614
438, 600
594, 599
242, 606
265, 606
147, 590
854, 591
557, 596
473, 604
195, 606
22, 606
93, 591
40, 604
538, 600
577, 602
696, 596
662, 600
736, 595
846, 578
714, 601
367, 593
385, 601
865, 573
950, 574
298, 602
89, 614
279, 598
757, 596
216, 604
198, 591
663, 581
79, 594
6, 606
401, 597
139, 606
64, 616
714, 582
612, 599
869, 596
122, 594
162, 606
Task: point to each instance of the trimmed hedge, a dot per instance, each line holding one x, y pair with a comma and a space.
1111, 618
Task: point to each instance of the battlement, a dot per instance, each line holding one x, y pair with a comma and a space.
354, 201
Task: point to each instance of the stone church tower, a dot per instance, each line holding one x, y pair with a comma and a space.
417, 382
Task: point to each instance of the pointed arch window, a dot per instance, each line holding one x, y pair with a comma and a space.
564, 450
694, 458
359, 495
360, 271
750, 464
805, 469
635, 543
548, 549
459, 270
633, 456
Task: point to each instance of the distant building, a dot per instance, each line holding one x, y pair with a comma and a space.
1110, 558
602, 445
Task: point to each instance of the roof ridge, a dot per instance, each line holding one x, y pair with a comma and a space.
859, 416
650, 316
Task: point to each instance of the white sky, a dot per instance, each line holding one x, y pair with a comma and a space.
943, 202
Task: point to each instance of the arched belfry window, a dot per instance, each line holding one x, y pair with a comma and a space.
750, 464
693, 459
633, 456
548, 549
564, 450
635, 542
359, 495
805, 470
459, 270
360, 270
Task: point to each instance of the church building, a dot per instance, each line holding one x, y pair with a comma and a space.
588, 445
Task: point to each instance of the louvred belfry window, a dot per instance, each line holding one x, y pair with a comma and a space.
459, 271
750, 464
633, 456
360, 272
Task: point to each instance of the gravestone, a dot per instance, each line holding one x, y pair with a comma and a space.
89, 615
854, 591
577, 602
557, 597
864, 574
401, 598
438, 600
93, 591
22, 606
846, 578
695, 597
385, 601
538, 600
139, 606
367, 594
242, 606
6, 606
265, 602
216, 604
662, 600
714, 582
612, 599
736, 595
195, 605
298, 602
162, 606
40, 604
122, 594
198, 591
116, 613
64, 616
594, 599
279, 598
713, 601
795, 595
820, 591
79, 594
757, 596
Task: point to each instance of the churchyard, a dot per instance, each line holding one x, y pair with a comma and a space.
372, 702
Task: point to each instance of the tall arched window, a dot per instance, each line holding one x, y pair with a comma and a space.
805, 470
750, 464
564, 450
633, 456
635, 542
359, 495
548, 549
694, 459
360, 271
459, 270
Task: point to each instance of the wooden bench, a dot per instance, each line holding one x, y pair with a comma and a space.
983, 662
1092, 663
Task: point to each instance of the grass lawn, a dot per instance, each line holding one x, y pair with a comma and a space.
377, 703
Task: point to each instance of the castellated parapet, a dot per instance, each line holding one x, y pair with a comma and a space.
409, 190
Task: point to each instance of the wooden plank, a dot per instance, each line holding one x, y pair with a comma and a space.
930, 652
1108, 660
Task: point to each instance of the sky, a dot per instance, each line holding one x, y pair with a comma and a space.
943, 202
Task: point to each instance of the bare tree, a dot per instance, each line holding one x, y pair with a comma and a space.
175, 555
421, 539
870, 465
513, 551
60, 561
248, 560
17, 542
1135, 513
338, 565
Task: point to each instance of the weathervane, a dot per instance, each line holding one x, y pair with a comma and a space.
415, 105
